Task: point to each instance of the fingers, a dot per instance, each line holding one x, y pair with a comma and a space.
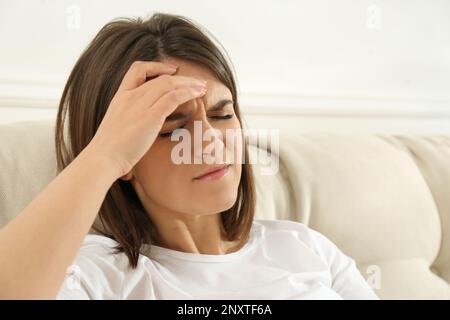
139, 71
171, 100
152, 90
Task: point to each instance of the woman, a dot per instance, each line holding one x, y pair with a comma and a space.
164, 230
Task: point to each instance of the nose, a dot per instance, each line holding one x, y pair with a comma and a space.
208, 144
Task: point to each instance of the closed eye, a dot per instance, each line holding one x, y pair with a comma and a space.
228, 116
168, 133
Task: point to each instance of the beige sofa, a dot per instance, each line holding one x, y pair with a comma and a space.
383, 199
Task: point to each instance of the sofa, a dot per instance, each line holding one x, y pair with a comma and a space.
383, 199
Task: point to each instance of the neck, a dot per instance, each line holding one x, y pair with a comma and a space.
201, 234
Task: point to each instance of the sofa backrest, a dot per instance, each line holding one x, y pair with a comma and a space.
382, 199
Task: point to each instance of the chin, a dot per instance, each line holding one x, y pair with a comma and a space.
216, 203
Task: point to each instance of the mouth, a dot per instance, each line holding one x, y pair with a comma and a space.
214, 173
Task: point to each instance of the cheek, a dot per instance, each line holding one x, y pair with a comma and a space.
234, 142
234, 123
238, 173
164, 183
156, 171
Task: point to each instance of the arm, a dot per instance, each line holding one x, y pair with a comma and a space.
37, 246
42, 241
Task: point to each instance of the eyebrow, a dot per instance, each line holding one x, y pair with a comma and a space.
178, 116
220, 105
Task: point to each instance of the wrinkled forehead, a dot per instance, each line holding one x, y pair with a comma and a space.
216, 90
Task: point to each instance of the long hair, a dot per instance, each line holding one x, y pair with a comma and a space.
89, 90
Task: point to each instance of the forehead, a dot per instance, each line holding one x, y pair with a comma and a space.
216, 89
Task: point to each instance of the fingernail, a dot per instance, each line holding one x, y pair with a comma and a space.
172, 66
198, 91
200, 83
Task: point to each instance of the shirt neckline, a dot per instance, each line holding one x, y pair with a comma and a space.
155, 252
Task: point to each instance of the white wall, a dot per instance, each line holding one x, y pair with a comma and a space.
381, 65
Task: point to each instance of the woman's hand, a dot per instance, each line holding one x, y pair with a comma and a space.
138, 110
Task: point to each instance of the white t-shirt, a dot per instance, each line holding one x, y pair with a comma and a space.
282, 260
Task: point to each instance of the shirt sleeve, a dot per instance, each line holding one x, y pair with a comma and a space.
347, 281
73, 289
92, 276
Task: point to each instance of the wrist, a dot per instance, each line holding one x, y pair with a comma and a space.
103, 162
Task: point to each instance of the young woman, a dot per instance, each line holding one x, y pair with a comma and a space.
163, 230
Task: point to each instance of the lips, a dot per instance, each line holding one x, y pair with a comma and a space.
213, 173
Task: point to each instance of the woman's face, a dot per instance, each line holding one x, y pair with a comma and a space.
163, 185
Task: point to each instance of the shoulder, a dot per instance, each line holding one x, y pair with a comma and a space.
279, 224
300, 230
98, 271
346, 278
317, 242
100, 251
98, 244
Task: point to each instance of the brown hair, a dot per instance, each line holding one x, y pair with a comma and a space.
89, 90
